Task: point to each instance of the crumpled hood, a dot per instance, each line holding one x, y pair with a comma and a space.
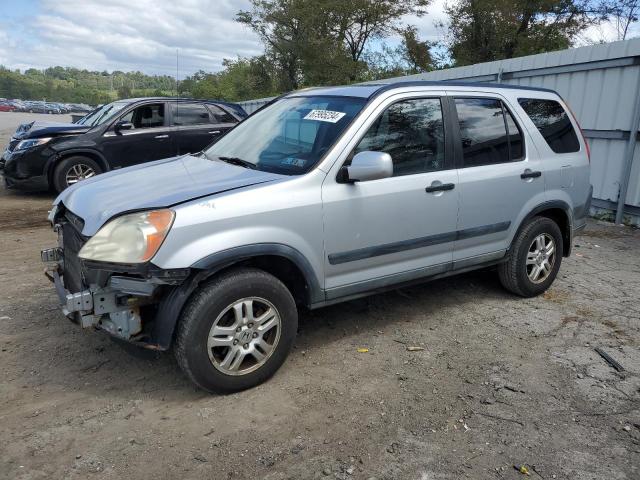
158, 184
48, 129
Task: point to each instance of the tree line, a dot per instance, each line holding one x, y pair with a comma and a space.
331, 42
72, 85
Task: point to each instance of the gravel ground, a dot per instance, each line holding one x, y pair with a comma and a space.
500, 382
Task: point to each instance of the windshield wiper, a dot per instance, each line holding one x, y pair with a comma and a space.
238, 161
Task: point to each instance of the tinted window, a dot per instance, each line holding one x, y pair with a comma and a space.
483, 131
189, 114
146, 116
412, 132
220, 115
553, 123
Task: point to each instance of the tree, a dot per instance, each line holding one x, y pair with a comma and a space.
124, 91
416, 53
323, 42
623, 13
486, 30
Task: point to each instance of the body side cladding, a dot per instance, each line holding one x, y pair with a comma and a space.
404, 245
171, 306
405, 279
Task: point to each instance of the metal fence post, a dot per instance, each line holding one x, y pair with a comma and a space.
628, 155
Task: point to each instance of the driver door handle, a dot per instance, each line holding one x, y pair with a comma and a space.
440, 188
530, 174
214, 132
161, 136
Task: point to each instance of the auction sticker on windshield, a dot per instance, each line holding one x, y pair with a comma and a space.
324, 116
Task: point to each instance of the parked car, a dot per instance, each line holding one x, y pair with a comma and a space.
322, 196
7, 106
55, 155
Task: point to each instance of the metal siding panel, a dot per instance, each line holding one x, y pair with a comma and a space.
633, 193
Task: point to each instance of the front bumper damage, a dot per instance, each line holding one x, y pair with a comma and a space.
111, 298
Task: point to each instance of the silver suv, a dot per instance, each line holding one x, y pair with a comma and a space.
322, 196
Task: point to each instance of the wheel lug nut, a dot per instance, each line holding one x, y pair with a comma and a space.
238, 329
246, 345
235, 342
250, 325
255, 335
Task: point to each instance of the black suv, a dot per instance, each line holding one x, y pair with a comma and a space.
56, 155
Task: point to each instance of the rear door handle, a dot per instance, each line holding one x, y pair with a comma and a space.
161, 136
530, 174
440, 188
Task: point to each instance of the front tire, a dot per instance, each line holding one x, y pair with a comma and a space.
536, 255
72, 170
236, 331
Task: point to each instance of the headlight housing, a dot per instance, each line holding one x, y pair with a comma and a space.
31, 142
132, 238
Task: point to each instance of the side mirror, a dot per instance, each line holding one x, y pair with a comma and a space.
367, 166
122, 125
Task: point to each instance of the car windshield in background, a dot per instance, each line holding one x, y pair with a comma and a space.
102, 114
290, 136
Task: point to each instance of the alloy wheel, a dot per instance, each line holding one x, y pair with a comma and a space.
541, 257
77, 172
243, 336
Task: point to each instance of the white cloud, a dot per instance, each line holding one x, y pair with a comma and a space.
133, 35
145, 34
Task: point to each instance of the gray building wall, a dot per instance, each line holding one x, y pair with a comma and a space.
601, 83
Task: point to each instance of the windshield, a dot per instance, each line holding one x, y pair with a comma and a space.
290, 136
102, 114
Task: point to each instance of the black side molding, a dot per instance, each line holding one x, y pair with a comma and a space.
395, 247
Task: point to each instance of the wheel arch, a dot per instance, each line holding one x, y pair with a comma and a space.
283, 262
558, 211
79, 152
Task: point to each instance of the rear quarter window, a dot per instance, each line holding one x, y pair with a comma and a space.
553, 122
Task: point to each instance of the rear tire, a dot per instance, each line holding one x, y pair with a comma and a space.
236, 331
72, 170
536, 255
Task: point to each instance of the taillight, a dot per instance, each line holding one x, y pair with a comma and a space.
584, 139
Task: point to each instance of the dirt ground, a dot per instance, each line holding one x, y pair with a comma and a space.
502, 381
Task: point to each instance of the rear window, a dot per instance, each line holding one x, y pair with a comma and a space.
553, 123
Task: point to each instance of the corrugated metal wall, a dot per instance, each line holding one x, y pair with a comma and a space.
601, 83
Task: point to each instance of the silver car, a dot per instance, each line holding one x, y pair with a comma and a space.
322, 196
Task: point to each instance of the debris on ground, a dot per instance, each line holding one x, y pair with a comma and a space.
523, 469
415, 349
609, 359
363, 350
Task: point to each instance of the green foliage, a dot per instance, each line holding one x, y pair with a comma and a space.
72, 85
312, 42
487, 30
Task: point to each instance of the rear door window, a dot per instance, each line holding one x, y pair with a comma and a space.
184, 114
553, 123
483, 131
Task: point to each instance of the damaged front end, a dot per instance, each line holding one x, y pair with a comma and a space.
122, 300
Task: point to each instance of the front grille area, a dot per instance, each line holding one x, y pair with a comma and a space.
72, 242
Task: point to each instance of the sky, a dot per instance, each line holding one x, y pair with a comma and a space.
145, 35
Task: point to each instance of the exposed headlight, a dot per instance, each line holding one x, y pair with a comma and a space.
133, 238
31, 142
